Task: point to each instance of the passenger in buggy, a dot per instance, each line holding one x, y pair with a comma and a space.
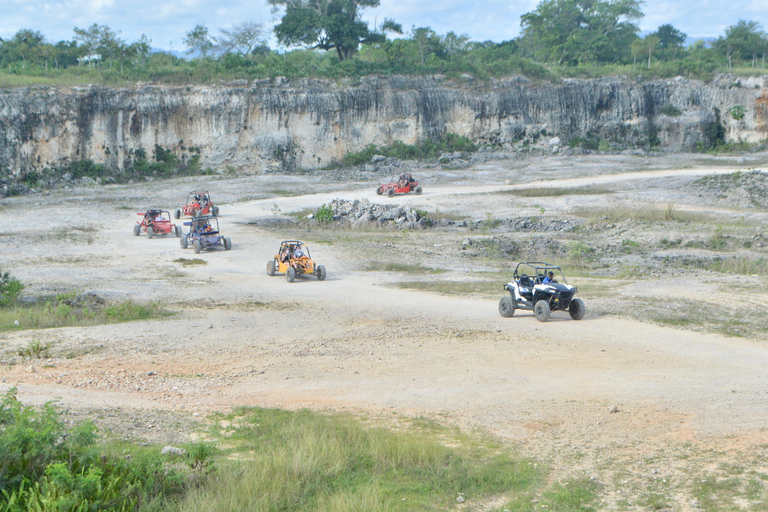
285, 257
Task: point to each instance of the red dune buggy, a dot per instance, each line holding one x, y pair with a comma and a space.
198, 203
156, 222
403, 185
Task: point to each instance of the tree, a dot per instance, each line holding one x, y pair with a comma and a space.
645, 45
25, 44
243, 38
670, 41
574, 31
745, 40
328, 25
198, 41
669, 37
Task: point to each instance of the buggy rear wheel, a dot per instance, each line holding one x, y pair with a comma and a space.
577, 309
506, 307
541, 310
391, 192
215, 211
197, 246
418, 190
320, 273
150, 232
184, 243
136, 230
227, 244
271, 267
177, 213
290, 274
379, 191
177, 230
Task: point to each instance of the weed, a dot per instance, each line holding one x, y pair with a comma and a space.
324, 214
378, 266
557, 191
190, 261
36, 349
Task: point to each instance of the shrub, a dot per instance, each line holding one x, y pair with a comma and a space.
324, 214
10, 289
671, 111
45, 466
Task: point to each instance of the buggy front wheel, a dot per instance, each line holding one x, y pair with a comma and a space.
506, 307
183, 242
320, 272
271, 268
136, 230
577, 309
150, 232
215, 211
177, 213
541, 310
391, 192
378, 191
227, 244
290, 274
177, 230
417, 190
197, 246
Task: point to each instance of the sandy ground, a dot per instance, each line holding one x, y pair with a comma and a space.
354, 343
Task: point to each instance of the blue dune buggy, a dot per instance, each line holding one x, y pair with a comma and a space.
204, 234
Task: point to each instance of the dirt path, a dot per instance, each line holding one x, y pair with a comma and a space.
352, 342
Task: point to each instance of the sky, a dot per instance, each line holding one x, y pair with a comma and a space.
166, 22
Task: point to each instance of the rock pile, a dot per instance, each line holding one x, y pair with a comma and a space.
362, 213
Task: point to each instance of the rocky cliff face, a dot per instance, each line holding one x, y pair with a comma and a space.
274, 123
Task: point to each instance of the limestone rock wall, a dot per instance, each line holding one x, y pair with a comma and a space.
280, 123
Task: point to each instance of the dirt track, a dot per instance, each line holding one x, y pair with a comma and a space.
354, 343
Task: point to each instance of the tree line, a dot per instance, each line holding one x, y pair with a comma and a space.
329, 38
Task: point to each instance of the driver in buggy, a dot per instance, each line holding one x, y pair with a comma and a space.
403, 181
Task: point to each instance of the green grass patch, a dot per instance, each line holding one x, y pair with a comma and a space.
665, 213
190, 261
481, 286
380, 266
58, 313
308, 461
557, 191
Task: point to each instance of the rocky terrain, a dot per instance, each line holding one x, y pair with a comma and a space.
281, 124
656, 395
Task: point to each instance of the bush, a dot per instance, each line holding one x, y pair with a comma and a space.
429, 148
45, 466
10, 289
324, 214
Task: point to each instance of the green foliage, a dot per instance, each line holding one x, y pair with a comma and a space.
573, 31
425, 149
671, 111
324, 214
328, 25
10, 289
714, 132
36, 349
737, 112
45, 466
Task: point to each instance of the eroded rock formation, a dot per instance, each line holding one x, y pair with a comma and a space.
278, 123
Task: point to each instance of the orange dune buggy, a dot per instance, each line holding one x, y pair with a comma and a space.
293, 259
